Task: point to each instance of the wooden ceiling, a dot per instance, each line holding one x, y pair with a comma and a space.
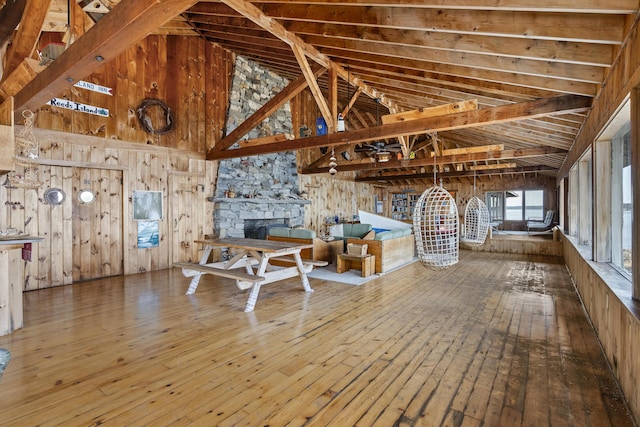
532, 66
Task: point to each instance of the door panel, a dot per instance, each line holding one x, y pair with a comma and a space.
97, 227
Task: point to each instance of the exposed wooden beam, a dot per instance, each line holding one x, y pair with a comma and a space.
456, 174
128, 22
492, 166
272, 25
25, 41
483, 117
292, 89
371, 164
10, 18
266, 139
324, 108
468, 150
422, 113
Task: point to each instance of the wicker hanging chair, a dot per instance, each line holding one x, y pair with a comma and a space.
435, 226
476, 222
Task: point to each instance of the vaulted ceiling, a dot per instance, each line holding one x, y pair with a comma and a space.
517, 76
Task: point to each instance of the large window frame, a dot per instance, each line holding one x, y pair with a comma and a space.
499, 202
622, 200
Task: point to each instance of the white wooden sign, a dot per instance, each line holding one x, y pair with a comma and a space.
94, 87
83, 108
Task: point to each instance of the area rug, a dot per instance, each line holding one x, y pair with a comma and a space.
351, 277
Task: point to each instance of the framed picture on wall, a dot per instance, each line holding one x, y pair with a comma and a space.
148, 234
147, 205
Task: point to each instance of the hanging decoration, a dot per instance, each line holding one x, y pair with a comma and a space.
27, 149
144, 116
332, 163
435, 226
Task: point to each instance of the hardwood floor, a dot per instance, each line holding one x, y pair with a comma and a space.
497, 340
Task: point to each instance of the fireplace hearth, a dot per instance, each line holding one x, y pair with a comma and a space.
231, 215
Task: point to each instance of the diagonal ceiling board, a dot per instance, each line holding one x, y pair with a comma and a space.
578, 27
128, 22
514, 47
542, 69
473, 87
492, 76
325, 109
584, 6
254, 14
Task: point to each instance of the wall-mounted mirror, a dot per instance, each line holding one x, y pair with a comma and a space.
54, 196
86, 196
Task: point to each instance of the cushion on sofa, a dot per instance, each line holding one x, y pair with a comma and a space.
279, 231
355, 230
296, 233
392, 234
302, 233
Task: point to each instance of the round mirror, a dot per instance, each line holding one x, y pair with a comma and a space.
54, 196
86, 196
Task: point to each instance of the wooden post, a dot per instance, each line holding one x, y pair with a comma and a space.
602, 201
11, 277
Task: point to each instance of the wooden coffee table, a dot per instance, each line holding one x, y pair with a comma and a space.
365, 263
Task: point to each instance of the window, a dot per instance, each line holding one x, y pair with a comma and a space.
516, 205
622, 199
495, 204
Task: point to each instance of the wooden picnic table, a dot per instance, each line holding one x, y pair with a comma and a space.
248, 253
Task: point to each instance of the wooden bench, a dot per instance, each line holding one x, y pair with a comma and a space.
291, 261
230, 274
365, 263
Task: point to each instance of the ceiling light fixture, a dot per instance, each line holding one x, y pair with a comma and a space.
383, 156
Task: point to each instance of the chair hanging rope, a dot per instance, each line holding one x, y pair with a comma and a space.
435, 226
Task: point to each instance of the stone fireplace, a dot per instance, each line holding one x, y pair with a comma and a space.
231, 215
265, 186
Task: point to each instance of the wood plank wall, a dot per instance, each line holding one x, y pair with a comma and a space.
115, 156
195, 87
614, 318
81, 246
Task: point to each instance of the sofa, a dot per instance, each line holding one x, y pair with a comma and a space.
392, 248
321, 250
347, 231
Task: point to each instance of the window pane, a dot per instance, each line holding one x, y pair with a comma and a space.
627, 203
534, 208
495, 204
514, 206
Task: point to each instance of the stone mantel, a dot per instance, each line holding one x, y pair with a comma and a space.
259, 200
230, 214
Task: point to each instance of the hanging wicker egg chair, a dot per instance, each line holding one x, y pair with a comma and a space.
435, 226
476, 222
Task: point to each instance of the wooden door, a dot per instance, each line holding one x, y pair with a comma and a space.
187, 214
97, 227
